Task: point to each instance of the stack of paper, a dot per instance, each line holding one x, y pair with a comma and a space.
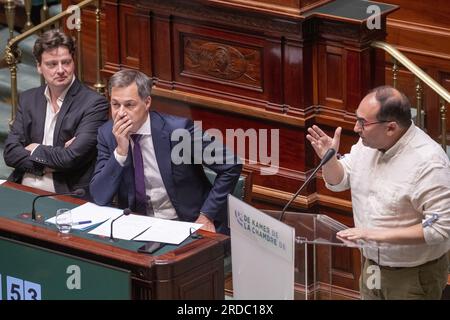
143, 228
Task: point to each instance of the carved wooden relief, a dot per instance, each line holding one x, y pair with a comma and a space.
214, 60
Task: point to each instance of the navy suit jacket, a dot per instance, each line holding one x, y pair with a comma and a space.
187, 185
82, 113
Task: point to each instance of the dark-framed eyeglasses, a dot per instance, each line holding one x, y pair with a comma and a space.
363, 123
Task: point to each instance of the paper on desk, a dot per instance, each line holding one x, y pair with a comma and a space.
168, 231
126, 227
91, 212
2, 181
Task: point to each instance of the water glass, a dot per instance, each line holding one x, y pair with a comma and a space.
63, 220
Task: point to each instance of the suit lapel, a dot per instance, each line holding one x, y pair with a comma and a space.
40, 114
68, 100
161, 143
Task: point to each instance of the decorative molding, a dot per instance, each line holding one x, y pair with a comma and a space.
433, 34
236, 64
294, 10
325, 291
353, 33
224, 15
233, 107
304, 202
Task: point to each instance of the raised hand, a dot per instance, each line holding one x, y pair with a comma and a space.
121, 131
321, 142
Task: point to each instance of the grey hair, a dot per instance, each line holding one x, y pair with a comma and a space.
127, 77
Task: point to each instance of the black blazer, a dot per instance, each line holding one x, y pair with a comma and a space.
82, 113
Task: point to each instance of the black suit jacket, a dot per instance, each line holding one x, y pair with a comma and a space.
82, 113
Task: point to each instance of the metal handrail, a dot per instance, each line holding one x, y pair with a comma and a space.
17, 39
421, 76
411, 66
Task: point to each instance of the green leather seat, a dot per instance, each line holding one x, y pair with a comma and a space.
239, 190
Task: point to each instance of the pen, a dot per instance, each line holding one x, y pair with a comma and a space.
81, 222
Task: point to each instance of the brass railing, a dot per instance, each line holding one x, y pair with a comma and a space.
421, 77
13, 53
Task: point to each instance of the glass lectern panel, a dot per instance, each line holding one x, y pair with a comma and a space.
317, 247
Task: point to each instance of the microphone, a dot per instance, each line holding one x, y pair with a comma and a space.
77, 193
126, 212
327, 157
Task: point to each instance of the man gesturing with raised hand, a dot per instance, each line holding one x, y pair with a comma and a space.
400, 185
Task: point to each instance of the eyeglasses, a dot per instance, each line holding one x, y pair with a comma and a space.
363, 123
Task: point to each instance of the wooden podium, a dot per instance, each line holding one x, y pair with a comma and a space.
191, 271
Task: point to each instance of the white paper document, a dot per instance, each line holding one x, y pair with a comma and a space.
90, 214
168, 231
126, 227
2, 181
143, 228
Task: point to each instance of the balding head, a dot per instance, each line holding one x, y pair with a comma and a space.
394, 105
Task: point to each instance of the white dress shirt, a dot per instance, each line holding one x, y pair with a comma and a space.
46, 181
154, 185
399, 188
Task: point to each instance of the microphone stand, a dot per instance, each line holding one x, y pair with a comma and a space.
126, 212
328, 155
34, 217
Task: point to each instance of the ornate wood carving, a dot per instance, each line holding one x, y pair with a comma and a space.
235, 64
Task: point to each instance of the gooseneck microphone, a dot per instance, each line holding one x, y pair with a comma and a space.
327, 157
76, 193
126, 212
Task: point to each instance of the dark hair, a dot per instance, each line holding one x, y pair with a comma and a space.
53, 39
394, 105
126, 77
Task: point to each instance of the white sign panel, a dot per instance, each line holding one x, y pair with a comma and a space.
262, 250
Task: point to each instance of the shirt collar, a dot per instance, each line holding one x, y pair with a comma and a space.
403, 141
146, 129
61, 98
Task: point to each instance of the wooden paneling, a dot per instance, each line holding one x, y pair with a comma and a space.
331, 73
298, 76
129, 37
422, 32
422, 12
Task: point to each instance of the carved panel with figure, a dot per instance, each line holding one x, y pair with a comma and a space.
213, 60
